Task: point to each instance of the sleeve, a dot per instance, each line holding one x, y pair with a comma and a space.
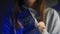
52, 22
7, 27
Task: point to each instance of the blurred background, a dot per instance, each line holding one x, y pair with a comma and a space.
6, 7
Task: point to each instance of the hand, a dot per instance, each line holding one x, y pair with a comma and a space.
41, 26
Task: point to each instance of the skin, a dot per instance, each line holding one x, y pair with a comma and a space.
41, 26
29, 3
